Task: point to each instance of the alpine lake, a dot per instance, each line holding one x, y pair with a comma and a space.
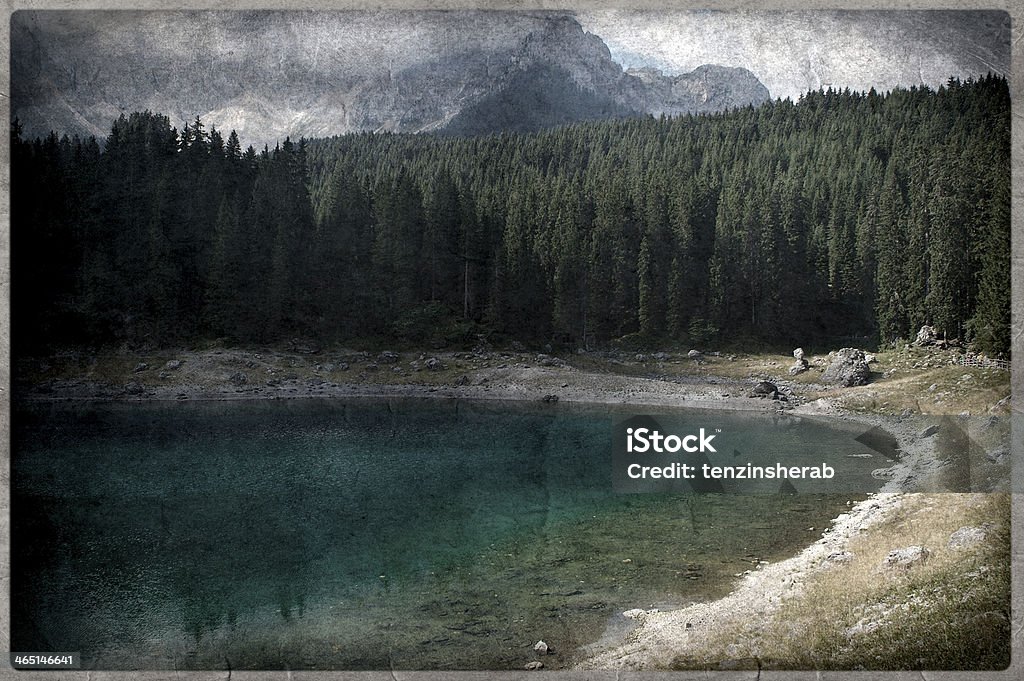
368, 534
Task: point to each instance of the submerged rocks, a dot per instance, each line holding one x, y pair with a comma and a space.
637, 613
847, 367
549, 398
884, 473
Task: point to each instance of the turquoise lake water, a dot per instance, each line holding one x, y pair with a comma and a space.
363, 534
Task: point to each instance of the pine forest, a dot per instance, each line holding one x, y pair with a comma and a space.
841, 215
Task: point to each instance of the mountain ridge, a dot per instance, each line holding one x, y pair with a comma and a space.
272, 75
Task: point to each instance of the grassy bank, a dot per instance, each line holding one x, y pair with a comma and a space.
950, 612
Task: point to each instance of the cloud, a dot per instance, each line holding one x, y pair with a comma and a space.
792, 52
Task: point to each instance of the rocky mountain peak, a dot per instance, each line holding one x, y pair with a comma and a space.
269, 75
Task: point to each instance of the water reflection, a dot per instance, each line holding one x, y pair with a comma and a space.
355, 535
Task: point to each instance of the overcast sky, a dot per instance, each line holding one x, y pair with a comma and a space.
795, 51
75, 71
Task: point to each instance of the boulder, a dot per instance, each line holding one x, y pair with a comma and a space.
765, 389
695, 354
799, 366
540, 647
839, 558
926, 336
434, 364
173, 365
387, 357
133, 388
966, 537
533, 666
141, 366
304, 346
930, 430
238, 378
997, 455
906, 558
549, 398
847, 367
798, 354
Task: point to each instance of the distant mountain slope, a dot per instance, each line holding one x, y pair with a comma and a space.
539, 97
272, 74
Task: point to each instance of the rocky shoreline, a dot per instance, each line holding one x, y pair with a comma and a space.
227, 375
658, 637
661, 637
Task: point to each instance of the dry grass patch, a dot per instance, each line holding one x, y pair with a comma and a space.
946, 390
950, 612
